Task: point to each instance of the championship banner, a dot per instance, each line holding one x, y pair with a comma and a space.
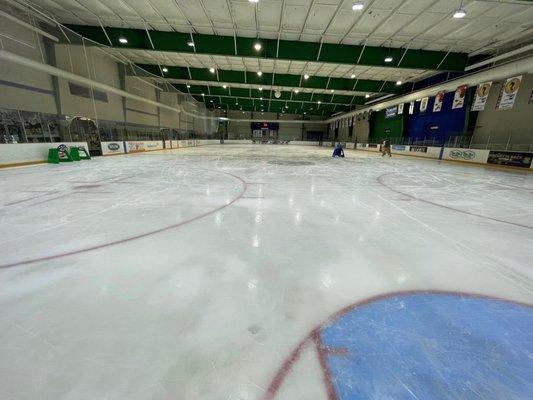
509, 92
459, 98
439, 98
424, 104
400, 109
411, 108
482, 94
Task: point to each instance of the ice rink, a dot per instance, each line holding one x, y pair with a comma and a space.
220, 273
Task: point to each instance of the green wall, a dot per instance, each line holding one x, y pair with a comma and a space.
381, 127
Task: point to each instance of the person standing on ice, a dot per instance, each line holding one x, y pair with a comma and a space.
385, 148
338, 152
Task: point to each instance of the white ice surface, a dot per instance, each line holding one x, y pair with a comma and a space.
210, 309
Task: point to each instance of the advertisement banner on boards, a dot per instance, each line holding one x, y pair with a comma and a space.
418, 149
482, 94
509, 92
439, 98
424, 104
390, 112
459, 97
411, 108
510, 158
400, 109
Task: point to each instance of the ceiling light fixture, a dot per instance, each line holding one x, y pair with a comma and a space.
165, 69
253, 1
224, 86
258, 46
398, 83
332, 91
367, 96
212, 70
388, 59
358, 6
306, 77
188, 86
460, 12
319, 102
260, 89
123, 40
352, 76
259, 73
190, 43
203, 94
296, 91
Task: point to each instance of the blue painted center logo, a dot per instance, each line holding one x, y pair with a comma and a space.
431, 346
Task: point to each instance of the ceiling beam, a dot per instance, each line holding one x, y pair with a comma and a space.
286, 80
271, 49
267, 94
275, 106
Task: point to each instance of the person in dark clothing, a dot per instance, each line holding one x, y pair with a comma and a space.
385, 148
338, 152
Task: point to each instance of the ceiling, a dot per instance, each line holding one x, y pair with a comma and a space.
340, 49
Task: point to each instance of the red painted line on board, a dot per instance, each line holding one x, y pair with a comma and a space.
380, 180
135, 237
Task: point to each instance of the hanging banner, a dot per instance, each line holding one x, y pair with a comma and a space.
459, 98
424, 104
482, 94
439, 98
400, 109
509, 92
390, 112
411, 108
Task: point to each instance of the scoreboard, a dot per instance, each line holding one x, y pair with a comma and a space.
271, 126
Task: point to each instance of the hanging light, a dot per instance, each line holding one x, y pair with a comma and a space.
212, 70
332, 91
260, 89
398, 83
358, 6
253, 1
165, 69
367, 96
257, 46
460, 12
388, 59
190, 43
352, 76
306, 77
224, 86
123, 40
188, 86
319, 102
259, 73
296, 91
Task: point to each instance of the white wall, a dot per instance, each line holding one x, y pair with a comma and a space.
95, 66
494, 126
19, 98
29, 152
